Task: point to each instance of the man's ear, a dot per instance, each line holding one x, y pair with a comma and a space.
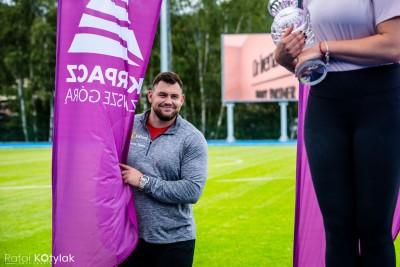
150, 95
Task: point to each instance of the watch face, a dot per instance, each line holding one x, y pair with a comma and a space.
143, 181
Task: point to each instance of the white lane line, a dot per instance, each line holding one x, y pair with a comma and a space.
24, 187
237, 180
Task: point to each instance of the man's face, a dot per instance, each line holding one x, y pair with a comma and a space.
166, 100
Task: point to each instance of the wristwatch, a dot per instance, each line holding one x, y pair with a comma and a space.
143, 181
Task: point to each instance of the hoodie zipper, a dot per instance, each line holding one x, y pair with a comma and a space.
151, 141
148, 148
149, 135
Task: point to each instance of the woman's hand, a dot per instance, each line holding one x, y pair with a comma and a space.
309, 54
289, 47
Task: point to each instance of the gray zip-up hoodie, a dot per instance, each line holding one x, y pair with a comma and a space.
176, 163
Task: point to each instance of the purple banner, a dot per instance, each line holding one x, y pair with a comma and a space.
309, 235
103, 48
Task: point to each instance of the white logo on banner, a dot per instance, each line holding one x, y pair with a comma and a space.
98, 44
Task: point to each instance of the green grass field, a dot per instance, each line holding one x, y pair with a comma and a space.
244, 218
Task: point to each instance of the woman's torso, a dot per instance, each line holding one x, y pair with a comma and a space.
346, 20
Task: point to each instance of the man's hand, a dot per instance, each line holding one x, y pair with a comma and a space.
130, 175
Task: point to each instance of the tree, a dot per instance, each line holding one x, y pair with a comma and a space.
28, 58
43, 61
27, 53
196, 39
20, 14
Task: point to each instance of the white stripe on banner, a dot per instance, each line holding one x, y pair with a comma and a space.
123, 32
110, 8
83, 43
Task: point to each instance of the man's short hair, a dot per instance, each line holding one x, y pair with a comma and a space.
167, 77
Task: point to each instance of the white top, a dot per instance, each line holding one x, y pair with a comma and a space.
348, 19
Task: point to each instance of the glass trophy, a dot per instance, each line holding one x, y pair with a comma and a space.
286, 13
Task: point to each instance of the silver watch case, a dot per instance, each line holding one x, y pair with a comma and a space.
143, 181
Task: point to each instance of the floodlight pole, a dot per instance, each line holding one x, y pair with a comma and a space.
164, 37
284, 136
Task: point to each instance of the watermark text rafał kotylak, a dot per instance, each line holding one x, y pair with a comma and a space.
21, 259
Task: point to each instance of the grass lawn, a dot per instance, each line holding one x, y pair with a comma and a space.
25, 202
244, 218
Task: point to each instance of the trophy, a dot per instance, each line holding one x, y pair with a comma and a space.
286, 13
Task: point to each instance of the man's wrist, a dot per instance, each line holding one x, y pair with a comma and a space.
143, 181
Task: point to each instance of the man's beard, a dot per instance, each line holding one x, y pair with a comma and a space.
165, 117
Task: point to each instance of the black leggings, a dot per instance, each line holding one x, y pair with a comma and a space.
352, 138
179, 254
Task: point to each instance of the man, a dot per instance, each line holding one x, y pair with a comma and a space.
168, 170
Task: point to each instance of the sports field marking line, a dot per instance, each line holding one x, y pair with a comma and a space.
277, 197
237, 180
24, 187
20, 161
231, 161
